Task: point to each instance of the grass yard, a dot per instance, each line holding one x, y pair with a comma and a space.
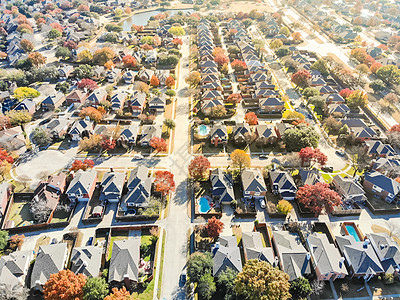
147, 294
119, 237
20, 214
160, 271
145, 239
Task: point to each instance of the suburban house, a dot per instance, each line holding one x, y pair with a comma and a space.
360, 257
50, 259
124, 263
253, 184
145, 74
361, 131
309, 177
118, 100
137, 102
64, 71
341, 110
349, 189
265, 134
86, 260
13, 139
128, 135
222, 186
271, 105
76, 96
325, 257
129, 77
219, 135
14, 268
139, 189
148, 132
157, 103
378, 149
254, 249
334, 98
97, 96
5, 194
241, 133
207, 105
53, 101
293, 257
27, 104
112, 186
81, 129
226, 254
58, 128
388, 251
82, 186
113, 75
381, 186
282, 183
280, 129
386, 166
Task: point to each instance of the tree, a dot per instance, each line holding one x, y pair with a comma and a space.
296, 36
321, 65
285, 31
360, 54
54, 34
199, 264
91, 143
168, 60
392, 98
41, 136
240, 159
95, 288
309, 156
332, 126
169, 123
345, 93
64, 285
214, 227
299, 137
226, 284
193, 79
164, 182
88, 84
170, 93
276, 44
176, 31
25, 28
92, 113
251, 118
13, 292
83, 7
154, 81
25, 92
301, 78
129, 61
81, 165
234, 98
318, 197
375, 67
37, 59
142, 87
377, 85
119, 294
177, 42
101, 56
259, 280
199, 168
4, 122
71, 45
292, 115
83, 71
112, 27
109, 65
389, 74
358, 98
233, 49
359, 158
310, 92
284, 207
282, 52
238, 65
218, 51
362, 69
206, 286
108, 143
19, 117
318, 102
221, 59
170, 82
63, 52
85, 56
26, 45
159, 144
3, 239
300, 288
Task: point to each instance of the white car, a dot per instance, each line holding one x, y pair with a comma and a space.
138, 157
262, 203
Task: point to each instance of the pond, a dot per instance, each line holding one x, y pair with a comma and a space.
142, 18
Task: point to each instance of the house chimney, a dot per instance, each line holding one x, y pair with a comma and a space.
127, 281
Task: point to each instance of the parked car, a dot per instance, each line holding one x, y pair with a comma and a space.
138, 157
45, 121
90, 241
340, 152
328, 169
182, 278
262, 203
309, 116
264, 156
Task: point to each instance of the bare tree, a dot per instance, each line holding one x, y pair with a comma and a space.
291, 160
39, 210
359, 159
14, 292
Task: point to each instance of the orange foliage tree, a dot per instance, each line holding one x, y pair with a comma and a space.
64, 285
199, 168
170, 82
92, 113
159, 144
117, 294
154, 81
129, 61
37, 59
214, 227
164, 182
81, 165
251, 118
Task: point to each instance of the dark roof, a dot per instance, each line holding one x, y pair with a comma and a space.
222, 185
253, 181
226, 254
125, 260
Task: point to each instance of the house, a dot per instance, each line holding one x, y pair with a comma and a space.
113, 75
253, 248
145, 74
148, 132
282, 183
265, 134
241, 133
112, 186
50, 259
338, 109
325, 257
14, 267
253, 184
387, 250
360, 257
82, 186
97, 96
128, 135
259, 94
226, 254
264, 85
378, 149
157, 103
124, 263
209, 104
270, 105
137, 102
310, 177
280, 129
53, 101
81, 129
76, 96
222, 186
381, 186
219, 135
13, 139
334, 98
293, 257
86, 260
349, 189
118, 100
361, 131
151, 56
212, 95
5, 194
28, 105
64, 71
386, 166
129, 77
58, 128
139, 189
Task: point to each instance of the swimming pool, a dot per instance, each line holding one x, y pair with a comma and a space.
203, 130
204, 205
352, 231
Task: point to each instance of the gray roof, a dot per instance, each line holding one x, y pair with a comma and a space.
350, 186
387, 249
139, 185
226, 254
112, 183
13, 267
149, 131
50, 260
129, 133
125, 260
310, 177
254, 248
86, 260
222, 185
253, 181
82, 182
80, 126
283, 179
326, 256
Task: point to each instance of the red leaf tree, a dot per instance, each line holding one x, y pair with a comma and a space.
395, 128
318, 197
238, 65
108, 144
177, 41
159, 144
129, 61
251, 118
81, 165
89, 84
311, 156
70, 45
164, 182
170, 82
154, 81
64, 285
221, 59
234, 98
375, 67
301, 78
214, 227
199, 168
5, 156
345, 93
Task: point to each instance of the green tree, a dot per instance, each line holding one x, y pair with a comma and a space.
281, 52
3, 239
310, 92
54, 34
260, 281
170, 124
206, 286
19, 117
226, 284
357, 99
321, 65
276, 44
170, 93
318, 101
299, 137
389, 74
377, 85
95, 288
63, 52
168, 60
300, 288
285, 31
41, 136
198, 265
176, 31
83, 71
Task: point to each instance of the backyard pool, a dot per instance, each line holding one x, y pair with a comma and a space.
352, 231
203, 130
204, 205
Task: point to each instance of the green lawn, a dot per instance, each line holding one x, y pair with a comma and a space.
145, 239
112, 240
160, 271
147, 294
20, 214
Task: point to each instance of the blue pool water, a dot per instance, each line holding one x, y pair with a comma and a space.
352, 231
204, 206
204, 130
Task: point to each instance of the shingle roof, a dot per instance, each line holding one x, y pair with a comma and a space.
387, 249
254, 248
82, 182
226, 255
253, 181
125, 260
86, 260
112, 183
12, 267
222, 185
